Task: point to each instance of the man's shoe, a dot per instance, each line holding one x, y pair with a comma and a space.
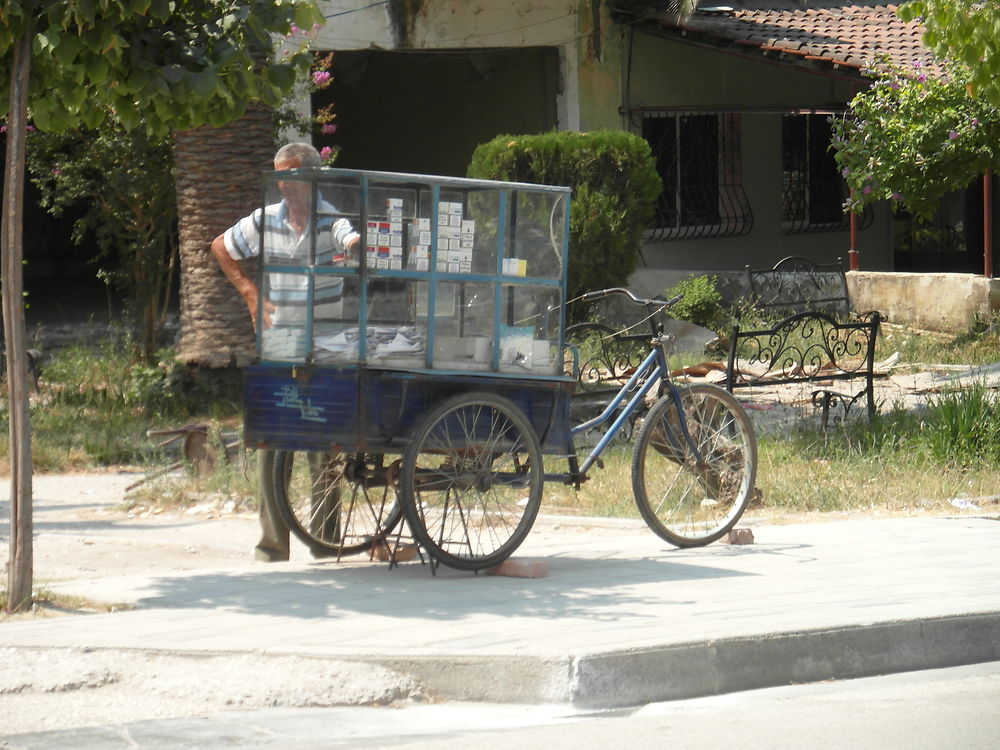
263, 555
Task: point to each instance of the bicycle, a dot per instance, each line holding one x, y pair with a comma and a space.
695, 456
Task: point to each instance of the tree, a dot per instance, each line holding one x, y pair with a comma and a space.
123, 180
912, 138
966, 31
154, 64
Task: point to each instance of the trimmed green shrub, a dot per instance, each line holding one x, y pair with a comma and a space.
615, 186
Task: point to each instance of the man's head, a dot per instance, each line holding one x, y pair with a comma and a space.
296, 155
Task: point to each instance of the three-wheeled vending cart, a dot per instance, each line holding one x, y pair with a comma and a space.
418, 373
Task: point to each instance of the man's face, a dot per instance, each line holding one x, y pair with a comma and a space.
295, 193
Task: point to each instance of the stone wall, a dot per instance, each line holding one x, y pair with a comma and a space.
947, 302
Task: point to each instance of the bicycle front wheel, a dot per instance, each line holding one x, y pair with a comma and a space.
472, 480
692, 492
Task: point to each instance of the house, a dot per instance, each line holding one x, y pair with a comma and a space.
734, 101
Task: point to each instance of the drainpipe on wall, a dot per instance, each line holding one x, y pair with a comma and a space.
852, 254
988, 224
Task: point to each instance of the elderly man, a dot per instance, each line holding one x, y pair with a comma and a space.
286, 227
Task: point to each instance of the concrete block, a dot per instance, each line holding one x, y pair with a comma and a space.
739, 536
520, 569
400, 553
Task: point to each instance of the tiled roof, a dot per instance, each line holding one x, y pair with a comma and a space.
811, 33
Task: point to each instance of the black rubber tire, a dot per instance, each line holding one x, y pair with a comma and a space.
684, 504
330, 514
471, 481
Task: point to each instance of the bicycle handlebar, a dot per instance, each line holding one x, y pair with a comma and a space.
655, 302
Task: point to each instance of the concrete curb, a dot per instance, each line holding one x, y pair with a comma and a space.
634, 677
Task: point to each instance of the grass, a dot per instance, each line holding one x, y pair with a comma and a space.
978, 346
46, 603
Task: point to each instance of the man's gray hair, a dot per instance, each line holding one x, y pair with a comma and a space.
303, 153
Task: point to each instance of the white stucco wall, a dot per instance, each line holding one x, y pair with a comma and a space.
471, 24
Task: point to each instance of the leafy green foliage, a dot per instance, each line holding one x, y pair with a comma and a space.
913, 138
123, 180
967, 31
615, 186
94, 406
152, 63
700, 302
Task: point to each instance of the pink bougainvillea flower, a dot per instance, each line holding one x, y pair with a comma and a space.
974, 122
326, 152
845, 171
866, 189
897, 196
329, 129
320, 77
952, 134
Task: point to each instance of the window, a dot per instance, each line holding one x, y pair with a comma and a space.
813, 192
698, 159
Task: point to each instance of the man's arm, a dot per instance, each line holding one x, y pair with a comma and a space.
241, 281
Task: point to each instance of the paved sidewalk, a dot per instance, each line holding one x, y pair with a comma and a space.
621, 618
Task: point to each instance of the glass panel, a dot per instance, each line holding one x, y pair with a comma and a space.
463, 323
479, 231
338, 223
394, 337
536, 236
529, 331
391, 220
335, 336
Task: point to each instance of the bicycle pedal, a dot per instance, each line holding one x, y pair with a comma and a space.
600, 462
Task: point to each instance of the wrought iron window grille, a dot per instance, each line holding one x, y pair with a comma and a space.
813, 192
698, 158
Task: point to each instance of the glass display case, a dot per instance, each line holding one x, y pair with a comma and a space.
412, 272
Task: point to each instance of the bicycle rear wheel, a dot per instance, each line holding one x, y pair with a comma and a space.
691, 499
332, 504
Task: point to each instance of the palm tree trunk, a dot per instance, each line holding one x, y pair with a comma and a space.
218, 182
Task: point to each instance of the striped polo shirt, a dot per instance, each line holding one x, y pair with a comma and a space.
288, 292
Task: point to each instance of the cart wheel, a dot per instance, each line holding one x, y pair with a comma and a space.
472, 480
331, 505
685, 502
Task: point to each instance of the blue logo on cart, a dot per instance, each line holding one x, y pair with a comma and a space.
289, 398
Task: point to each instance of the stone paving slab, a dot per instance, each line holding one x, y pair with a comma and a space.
621, 618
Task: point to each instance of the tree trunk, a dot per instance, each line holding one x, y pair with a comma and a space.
20, 566
218, 182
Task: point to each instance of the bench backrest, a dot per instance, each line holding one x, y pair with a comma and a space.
807, 346
797, 284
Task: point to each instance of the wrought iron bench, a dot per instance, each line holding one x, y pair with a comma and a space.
797, 284
811, 349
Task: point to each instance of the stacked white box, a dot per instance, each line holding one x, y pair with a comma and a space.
384, 246
455, 240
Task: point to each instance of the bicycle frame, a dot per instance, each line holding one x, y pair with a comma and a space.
654, 369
